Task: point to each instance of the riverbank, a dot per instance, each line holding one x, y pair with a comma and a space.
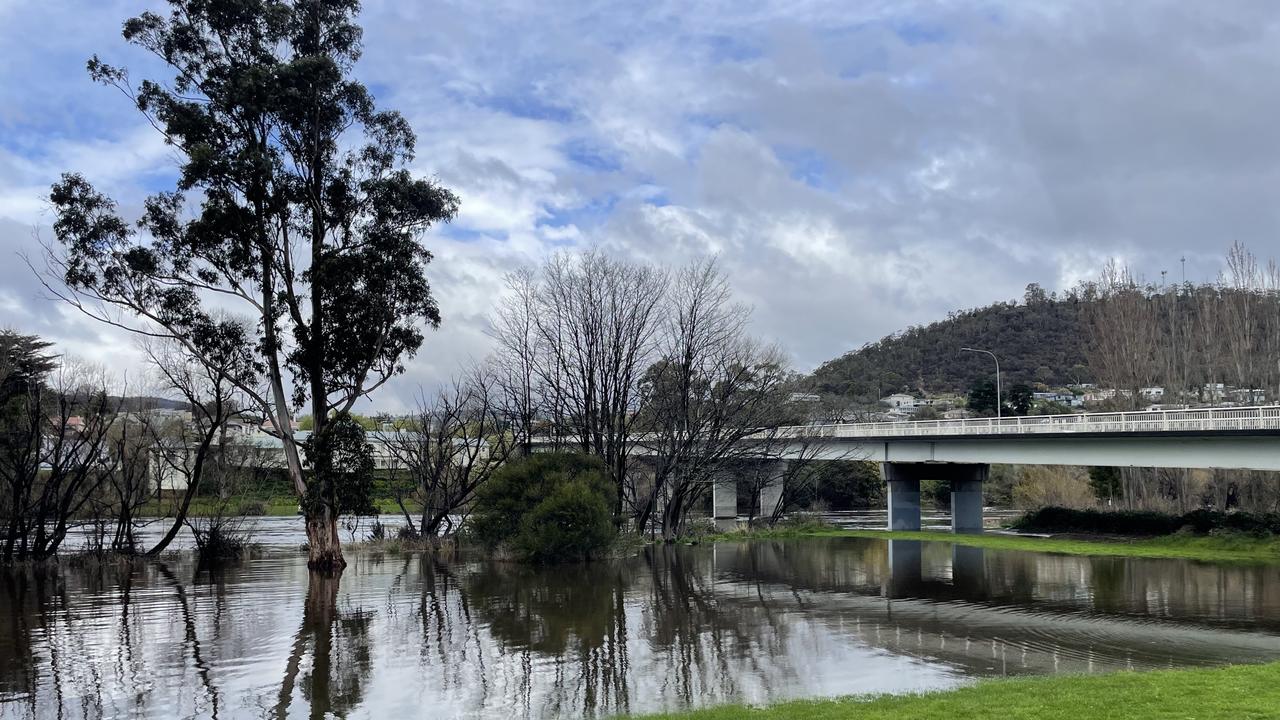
283, 506
1232, 693
1227, 548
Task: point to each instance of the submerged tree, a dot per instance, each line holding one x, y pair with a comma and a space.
292, 202
183, 451
455, 442
712, 388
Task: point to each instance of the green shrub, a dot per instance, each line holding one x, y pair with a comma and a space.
548, 507
572, 524
852, 485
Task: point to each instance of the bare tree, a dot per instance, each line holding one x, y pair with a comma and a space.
789, 467
711, 388
128, 487
574, 337
55, 459
183, 451
515, 328
457, 440
1122, 331
1240, 309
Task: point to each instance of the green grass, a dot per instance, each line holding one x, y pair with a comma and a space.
275, 506
1211, 548
1244, 692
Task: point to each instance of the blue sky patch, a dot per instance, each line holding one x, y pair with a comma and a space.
592, 155
529, 106
809, 167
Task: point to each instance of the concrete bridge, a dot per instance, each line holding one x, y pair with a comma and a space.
962, 451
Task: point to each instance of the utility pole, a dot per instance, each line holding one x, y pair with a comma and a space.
999, 404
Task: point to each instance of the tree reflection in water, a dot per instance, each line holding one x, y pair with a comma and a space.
672, 627
573, 615
337, 643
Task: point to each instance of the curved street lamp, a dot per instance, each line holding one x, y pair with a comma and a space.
999, 405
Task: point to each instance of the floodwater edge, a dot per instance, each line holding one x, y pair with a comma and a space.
1228, 548
1235, 692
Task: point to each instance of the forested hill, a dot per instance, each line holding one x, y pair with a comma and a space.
1039, 340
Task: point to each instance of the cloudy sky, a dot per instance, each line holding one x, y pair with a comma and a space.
858, 166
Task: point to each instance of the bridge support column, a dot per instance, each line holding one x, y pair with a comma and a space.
966, 498
904, 493
771, 491
724, 500
904, 496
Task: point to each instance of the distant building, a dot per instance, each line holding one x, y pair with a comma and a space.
1099, 395
1061, 398
1154, 394
904, 401
799, 397
1248, 396
249, 447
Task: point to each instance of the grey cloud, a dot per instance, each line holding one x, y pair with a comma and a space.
962, 150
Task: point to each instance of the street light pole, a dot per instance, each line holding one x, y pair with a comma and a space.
999, 405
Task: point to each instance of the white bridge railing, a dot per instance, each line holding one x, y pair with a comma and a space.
1190, 420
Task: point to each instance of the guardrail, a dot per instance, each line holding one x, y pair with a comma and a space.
1190, 420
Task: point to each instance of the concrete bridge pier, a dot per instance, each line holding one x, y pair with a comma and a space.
966, 500
904, 496
904, 479
724, 500
771, 491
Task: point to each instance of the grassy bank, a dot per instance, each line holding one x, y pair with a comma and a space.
274, 506
1211, 548
1234, 693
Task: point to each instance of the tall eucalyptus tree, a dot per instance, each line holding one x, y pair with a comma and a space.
292, 203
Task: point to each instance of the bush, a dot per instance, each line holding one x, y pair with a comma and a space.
548, 507
697, 529
1145, 522
852, 485
219, 541
1052, 486
804, 523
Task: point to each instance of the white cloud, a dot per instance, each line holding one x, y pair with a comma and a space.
858, 166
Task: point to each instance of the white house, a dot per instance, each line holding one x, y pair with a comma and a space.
903, 401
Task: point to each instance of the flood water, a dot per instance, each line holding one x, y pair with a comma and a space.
420, 636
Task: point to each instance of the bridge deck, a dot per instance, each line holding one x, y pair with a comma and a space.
1199, 421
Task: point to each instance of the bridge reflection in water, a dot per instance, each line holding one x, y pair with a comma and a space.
673, 627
